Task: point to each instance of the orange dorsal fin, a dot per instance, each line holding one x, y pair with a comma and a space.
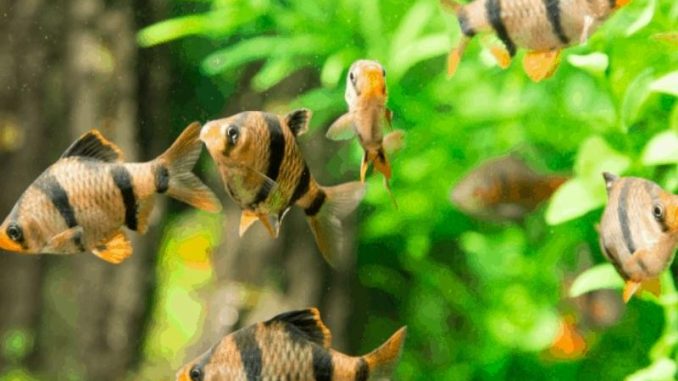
93, 145
115, 250
308, 324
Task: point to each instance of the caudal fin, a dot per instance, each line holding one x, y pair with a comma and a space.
325, 222
179, 160
383, 360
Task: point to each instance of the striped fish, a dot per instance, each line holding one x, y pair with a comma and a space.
638, 231
265, 173
503, 188
367, 112
294, 346
544, 27
81, 202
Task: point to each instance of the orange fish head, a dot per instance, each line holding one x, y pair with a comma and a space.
620, 3
12, 237
369, 79
666, 210
184, 374
222, 136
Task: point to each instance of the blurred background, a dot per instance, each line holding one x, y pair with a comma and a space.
488, 292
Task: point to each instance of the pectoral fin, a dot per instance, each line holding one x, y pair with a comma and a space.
394, 141
114, 250
653, 286
67, 242
342, 128
454, 57
541, 65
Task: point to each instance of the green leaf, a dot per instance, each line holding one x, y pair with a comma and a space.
643, 19
663, 369
170, 30
598, 277
595, 156
425, 48
661, 149
667, 84
594, 63
238, 54
411, 25
635, 96
572, 200
274, 71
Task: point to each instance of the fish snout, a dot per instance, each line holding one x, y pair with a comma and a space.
7, 243
211, 133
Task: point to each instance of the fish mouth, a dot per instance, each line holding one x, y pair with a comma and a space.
376, 85
621, 3
8, 245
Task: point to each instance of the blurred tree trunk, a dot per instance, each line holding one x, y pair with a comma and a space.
67, 67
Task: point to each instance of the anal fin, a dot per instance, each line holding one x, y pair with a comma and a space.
455, 55
114, 250
651, 285
541, 65
501, 55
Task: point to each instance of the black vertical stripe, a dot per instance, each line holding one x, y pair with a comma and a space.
250, 353
612, 3
622, 214
323, 366
50, 186
161, 178
553, 13
123, 180
302, 186
316, 204
493, 9
276, 149
362, 371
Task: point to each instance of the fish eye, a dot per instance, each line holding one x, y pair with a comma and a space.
351, 76
195, 374
383, 72
658, 212
15, 233
233, 134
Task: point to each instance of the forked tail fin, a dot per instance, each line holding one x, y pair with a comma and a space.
325, 215
383, 360
174, 173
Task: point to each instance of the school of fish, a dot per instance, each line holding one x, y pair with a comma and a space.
543, 27
294, 346
85, 200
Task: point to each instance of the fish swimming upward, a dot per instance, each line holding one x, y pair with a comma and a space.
264, 172
81, 202
367, 112
544, 27
504, 188
294, 346
638, 231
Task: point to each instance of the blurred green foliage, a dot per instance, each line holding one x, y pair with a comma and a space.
482, 301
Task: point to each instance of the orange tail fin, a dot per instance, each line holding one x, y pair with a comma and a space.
383, 360
178, 161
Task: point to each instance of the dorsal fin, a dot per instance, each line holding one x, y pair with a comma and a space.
93, 145
309, 325
297, 120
